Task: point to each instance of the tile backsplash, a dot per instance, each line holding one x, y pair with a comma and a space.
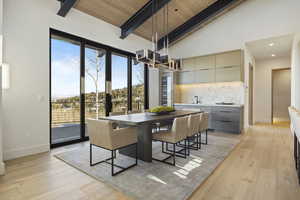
211, 93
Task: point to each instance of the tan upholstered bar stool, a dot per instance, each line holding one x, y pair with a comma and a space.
193, 132
177, 133
103, 135
194, 124
204, 126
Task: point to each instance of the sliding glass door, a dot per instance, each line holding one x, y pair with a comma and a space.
89, 80
138, 86
119, 83
65, 90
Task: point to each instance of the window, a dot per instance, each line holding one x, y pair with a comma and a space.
80, 70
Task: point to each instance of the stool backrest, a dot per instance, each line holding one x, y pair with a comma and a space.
204, 121
193, 124
180, 128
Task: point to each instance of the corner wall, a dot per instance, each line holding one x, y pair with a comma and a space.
263, 87
26, 49
2, 168
295, 72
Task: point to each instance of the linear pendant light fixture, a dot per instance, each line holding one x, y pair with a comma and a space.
152, 57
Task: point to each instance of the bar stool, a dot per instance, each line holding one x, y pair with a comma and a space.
204, 126
178, 132
193, 130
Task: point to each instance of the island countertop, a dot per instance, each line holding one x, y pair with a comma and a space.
209, 105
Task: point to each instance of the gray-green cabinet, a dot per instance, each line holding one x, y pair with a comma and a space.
223, 67
229, 73
204, 76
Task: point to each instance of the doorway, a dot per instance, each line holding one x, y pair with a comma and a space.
281, 95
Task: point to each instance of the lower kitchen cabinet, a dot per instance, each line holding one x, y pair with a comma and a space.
221, 118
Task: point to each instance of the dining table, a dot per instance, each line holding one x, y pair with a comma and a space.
145, 122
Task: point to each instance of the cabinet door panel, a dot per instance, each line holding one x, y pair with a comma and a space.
188, 64
228, 74
204, 76
205, 62
185, 77
228, 59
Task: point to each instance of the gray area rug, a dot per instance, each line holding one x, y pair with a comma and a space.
152, 181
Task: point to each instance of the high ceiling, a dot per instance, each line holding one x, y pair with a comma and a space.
117, 12
271, 47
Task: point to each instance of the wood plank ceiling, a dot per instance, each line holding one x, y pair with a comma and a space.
117, 12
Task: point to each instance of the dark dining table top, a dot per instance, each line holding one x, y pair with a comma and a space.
146, 118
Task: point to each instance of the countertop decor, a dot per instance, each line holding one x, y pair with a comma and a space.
161, 110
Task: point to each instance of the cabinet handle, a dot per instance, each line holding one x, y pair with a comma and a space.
228, 67
225, 111
226, 121
204, 69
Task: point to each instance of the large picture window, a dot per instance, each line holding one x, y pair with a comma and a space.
79, 72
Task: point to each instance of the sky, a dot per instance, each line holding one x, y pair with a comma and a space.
65, 62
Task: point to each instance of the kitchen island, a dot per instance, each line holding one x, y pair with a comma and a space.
225, 118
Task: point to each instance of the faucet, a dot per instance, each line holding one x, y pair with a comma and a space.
196, 99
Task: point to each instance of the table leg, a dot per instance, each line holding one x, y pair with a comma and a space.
144, 144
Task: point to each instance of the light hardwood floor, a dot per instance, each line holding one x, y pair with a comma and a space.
261, 167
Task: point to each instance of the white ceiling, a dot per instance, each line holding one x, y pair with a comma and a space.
261, 49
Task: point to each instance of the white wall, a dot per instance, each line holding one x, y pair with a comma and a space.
263, 87
295, 94
252, 20
26, 49
1, 143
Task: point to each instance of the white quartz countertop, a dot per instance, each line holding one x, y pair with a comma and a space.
191, 104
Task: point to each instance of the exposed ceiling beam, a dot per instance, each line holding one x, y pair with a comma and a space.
199, 19
65, 7
141, 16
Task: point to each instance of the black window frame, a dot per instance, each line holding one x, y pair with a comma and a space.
108, 67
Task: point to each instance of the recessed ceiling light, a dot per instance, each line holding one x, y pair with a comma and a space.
273, 55
271, 44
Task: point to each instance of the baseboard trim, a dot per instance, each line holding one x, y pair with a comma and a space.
21, 152
2, 168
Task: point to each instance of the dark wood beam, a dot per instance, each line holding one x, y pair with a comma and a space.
65, 7
197, 20
141, 16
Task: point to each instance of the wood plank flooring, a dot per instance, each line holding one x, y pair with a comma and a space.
261, 167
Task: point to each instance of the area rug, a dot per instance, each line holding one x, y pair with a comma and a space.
152, 181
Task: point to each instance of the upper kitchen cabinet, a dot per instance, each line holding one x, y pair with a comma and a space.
228, 74
205, 62
228, 59
189, 63
222, 67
